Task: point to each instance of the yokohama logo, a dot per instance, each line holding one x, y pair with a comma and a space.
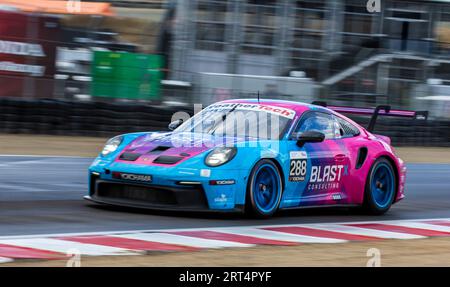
133, 177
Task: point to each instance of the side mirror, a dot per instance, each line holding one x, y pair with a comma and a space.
175, 124
310, 137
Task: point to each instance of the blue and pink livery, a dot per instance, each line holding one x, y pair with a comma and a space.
256, 156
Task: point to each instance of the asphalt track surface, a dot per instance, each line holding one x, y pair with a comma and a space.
44, 195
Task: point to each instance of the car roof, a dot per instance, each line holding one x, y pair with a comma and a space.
298, 107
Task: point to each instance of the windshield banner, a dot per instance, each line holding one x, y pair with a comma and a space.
279, 111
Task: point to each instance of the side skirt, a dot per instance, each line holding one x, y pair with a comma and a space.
320, 206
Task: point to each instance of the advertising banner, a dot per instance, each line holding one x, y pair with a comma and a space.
27, 54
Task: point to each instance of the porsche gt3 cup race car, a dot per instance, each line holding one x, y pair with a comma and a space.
254, 156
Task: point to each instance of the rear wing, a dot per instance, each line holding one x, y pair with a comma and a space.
382, 110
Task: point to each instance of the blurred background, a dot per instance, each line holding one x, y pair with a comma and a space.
101, 68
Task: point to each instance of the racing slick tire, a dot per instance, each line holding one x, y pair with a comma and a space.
264, 189
380, 187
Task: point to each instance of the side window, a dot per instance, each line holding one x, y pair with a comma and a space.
317, 121
338, 130
346, 128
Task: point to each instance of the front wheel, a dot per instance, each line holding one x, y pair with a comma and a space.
264, 189
380, 187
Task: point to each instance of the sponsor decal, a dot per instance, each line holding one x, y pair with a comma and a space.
327, 173
221, 199
132, 177
298, 155
283, 112
298, 165
205, 172
323, 186
336, 196
326, 177
222, 182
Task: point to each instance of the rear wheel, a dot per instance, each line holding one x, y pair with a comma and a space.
380, 187
264, 189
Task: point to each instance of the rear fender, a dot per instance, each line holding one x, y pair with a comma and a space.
386, 139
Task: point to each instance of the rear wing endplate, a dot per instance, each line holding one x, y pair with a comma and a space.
382, 110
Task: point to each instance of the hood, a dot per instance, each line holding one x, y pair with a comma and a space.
170, 148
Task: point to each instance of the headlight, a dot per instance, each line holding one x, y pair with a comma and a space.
112, 145
220, 156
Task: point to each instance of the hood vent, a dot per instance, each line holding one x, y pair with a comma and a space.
167, 159
129, 156
159, 149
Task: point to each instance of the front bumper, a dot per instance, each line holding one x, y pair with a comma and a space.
148, 196
237, 209
171, 188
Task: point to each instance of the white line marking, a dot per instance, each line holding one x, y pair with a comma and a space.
183, 240
421, 225
26, 186
365, 231
19, 188
15, 164
5, 260
62, 246
118, 232
50, 156
275, 235
446, 220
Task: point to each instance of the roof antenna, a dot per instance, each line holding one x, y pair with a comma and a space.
258, 96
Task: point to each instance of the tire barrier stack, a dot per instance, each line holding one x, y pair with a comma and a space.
408, 132
104, 119
57, 117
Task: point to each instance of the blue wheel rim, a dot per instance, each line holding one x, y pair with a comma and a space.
266, 188
382, 185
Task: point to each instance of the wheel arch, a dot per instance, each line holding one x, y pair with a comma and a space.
277, 164
280, 169
248, 202
396, 173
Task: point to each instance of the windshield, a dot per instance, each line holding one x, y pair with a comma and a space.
240, 120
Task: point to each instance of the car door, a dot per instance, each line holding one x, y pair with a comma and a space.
355, 148
316, 170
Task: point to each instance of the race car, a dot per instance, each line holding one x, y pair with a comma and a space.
255, 156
